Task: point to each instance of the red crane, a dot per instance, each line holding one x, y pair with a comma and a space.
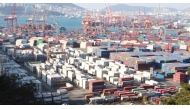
148, 21
87, 23
12, 20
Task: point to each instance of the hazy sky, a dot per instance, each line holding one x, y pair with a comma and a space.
102, 5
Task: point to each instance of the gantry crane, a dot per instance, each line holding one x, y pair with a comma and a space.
31, 20
87, 24
148, 21
12, 20
42, 21
136, 22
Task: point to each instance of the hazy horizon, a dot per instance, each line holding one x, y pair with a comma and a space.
178, 6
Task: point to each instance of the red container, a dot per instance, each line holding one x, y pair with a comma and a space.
96, 82
126, 78
141, 67
156, 87
116, 92
164, 91
96, 90
129, 95
160, 90
181, 70
129, 88
89, 96
126, 93
127, 85
112, 90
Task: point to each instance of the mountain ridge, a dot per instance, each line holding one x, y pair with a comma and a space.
121, 7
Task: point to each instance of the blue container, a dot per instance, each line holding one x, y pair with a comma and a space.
103, 53
157, 93
160, 76
155, 72
26, 46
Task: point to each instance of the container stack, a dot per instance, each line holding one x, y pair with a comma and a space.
47, 97
96, 85
147, 86
64, 95
179, 77
126, 81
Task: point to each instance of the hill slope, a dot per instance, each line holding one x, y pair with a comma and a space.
65, 5
121, 7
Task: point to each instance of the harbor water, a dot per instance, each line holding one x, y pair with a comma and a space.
71, 24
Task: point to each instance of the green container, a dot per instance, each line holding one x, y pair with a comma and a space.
39, 42
137, 89
169, 74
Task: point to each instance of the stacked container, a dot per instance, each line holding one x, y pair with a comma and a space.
179, 77
96, 85
126, 81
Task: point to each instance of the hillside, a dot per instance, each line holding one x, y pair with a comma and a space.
121, 7
7, 10
65, 5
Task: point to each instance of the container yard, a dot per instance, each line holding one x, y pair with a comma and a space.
81, 67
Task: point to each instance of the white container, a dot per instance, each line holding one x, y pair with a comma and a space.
81, 82
113, 73
113, 79
137, 78
149, 82
85, 84
114, 68
99, 73
154, 82
115, 82
66, 70
79, 76
62, 91
92, 72
69, 85
53, 77
44, 76
107, 77
183, 47
71, 75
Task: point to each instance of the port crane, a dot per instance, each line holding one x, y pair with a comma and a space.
56, 42
12, 20
148, 21
135, 23
31, 21
43, 20
87, 24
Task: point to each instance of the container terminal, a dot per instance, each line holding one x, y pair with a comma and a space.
93, 65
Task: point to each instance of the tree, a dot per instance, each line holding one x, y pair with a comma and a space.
180, 98
13, 94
